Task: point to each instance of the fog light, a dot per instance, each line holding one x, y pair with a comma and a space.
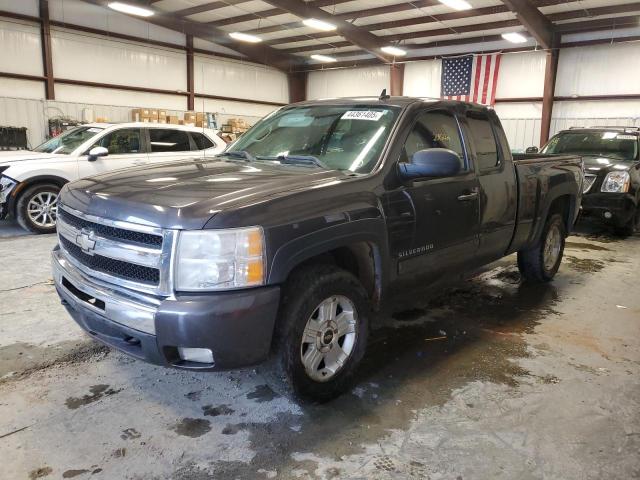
608, 215
198, 355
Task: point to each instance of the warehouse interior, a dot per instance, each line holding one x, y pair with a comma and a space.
483, 376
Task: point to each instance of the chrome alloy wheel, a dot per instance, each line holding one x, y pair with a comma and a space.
329, 338
43, 209
552, 246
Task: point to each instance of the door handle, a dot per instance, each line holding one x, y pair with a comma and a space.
465, 197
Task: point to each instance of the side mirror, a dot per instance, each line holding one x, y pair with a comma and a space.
532, 150
434, 162
97, 152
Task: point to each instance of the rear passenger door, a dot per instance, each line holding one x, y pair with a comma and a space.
126, 146
446, 209
168, 144
496, 175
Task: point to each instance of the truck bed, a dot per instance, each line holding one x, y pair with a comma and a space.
539, 178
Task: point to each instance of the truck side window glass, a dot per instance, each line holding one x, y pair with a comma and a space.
167, 140
483, 139
433, 130
201, 141
126, 140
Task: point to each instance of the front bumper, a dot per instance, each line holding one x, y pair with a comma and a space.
236, 326
611, 208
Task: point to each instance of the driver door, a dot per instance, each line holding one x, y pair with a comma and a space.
447, 210
126, 149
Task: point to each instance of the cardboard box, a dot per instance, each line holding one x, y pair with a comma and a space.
173, 120
201, 124
162, 113
190, 117
162, 120
201, 117
180, 122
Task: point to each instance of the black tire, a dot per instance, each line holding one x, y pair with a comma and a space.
22, 214
305, 290
632, 226
531, 262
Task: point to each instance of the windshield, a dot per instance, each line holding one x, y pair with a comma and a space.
618, 145
68, 141
345, 137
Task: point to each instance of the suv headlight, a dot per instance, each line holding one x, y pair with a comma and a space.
616, 182
209, 260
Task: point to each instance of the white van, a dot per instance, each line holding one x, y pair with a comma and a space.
30, 180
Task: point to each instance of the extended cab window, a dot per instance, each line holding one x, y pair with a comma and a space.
483, 140
433, 130
123, 141
167, 140
202, 141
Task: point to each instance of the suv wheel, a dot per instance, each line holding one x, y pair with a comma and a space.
322, 333
541, 262
37, 208
632, 226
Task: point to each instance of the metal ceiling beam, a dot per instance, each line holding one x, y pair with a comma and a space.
360, 37
258, 52
207, 7
533, 20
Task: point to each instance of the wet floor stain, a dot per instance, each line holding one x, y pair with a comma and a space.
586, 246
192, 427
74, 473
194, 396
409, 314
584, 265
403, 371
96, 393
230, 429
130, 434
119, 453
262, 393
211, 411
40, 472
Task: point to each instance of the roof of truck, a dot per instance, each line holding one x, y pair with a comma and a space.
146, 125
386, 101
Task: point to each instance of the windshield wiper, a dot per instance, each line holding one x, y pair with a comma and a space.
238, 154
308, 160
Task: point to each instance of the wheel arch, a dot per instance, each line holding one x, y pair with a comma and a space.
358, 247
30, 182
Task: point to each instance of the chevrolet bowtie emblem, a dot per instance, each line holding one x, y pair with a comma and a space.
86, 241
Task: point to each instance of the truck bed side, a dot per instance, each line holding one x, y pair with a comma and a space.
545, 182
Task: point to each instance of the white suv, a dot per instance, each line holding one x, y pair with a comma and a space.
30, 180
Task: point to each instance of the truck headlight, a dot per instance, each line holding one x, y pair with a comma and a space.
616, 182
210, 260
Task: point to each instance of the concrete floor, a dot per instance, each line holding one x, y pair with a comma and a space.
491, 379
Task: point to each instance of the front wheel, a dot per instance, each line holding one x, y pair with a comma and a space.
37, 208
322, 333
541, 262
631, 227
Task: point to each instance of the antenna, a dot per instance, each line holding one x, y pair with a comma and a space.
383, 95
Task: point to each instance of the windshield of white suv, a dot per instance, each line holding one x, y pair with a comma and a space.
67, 142
340, 137
616, 145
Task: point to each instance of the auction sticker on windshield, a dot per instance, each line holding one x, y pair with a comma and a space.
362, 115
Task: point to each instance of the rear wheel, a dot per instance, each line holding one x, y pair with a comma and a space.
541, 262
37, 208
322, 333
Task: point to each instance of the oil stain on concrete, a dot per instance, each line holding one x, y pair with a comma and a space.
262, 393
96, 393
211, 411
192, 427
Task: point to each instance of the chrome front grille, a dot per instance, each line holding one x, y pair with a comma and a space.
589, 180
137, 257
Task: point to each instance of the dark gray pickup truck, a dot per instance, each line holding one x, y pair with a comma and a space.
283, 246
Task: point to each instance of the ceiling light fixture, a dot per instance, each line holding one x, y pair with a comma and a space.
514, 37
324, 58
319, 24
456, 4
245, 37
130, 9
395, 51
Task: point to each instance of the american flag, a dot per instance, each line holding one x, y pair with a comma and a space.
471, 78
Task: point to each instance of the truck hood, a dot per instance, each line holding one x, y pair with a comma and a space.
186, 194
16, 156
595, 164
